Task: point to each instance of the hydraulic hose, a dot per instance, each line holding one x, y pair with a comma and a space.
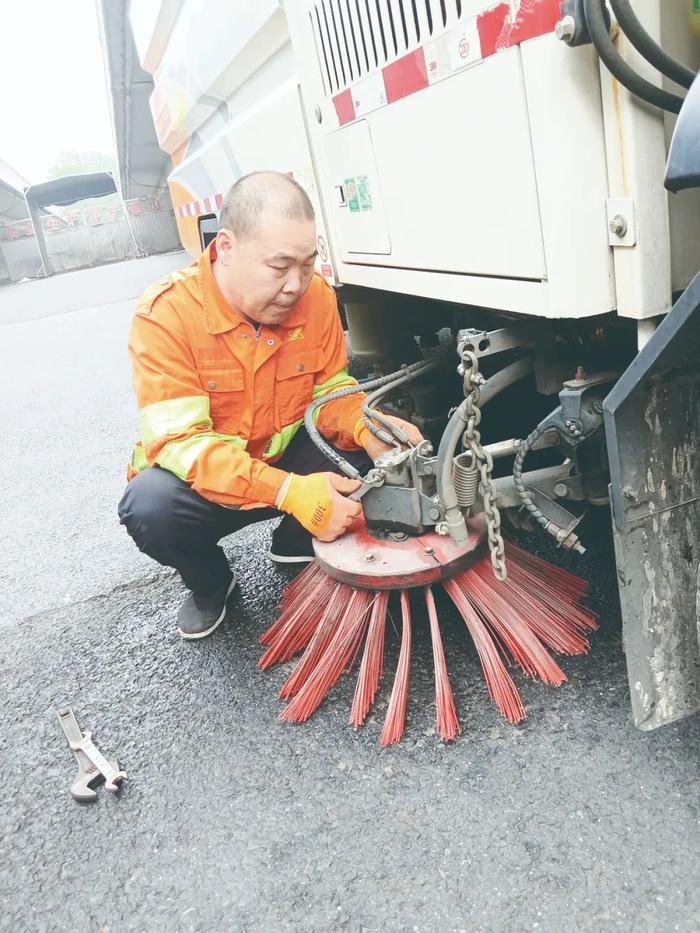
563, 538
412, 371
374, 398
618, 67
646, 46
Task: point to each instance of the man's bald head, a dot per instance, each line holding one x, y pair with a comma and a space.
266, 246
259, 195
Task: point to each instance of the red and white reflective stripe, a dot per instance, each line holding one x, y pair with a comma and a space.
467, 43
205, 206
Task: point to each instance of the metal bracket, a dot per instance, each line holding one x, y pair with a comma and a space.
488, 342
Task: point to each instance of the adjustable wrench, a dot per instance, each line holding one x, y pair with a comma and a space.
91, 762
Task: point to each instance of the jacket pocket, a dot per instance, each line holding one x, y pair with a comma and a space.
295, 378
226, 388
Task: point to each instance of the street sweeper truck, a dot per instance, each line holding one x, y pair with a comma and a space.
505, 202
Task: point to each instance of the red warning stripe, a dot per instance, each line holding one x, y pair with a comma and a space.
205, 206
497, 32
405, 76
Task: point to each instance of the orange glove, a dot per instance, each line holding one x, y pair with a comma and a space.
317, 503
374, 447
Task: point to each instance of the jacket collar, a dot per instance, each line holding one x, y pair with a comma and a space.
219, 316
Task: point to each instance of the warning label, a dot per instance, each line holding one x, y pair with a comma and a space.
363, 195
357, 194
351, 195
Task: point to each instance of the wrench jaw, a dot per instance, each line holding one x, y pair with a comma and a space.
109, 770
81, 787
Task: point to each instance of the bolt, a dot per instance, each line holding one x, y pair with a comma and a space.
565, 29
428, 471
429, 551
369, 558
433, 514
561, 490
318, 113
442, 528
618, 225
580, 373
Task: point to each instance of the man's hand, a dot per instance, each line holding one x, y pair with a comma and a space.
374, 446
318, 502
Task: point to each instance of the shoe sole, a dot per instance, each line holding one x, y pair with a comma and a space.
217, 623
283, 559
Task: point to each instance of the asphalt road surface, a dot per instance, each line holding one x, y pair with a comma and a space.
232, 820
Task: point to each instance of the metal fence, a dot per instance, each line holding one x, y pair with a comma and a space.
91, 236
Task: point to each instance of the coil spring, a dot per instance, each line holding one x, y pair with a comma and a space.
465, 476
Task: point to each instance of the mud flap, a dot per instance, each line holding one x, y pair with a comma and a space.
652, 425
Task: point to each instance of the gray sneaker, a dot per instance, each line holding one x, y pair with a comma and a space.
200, 616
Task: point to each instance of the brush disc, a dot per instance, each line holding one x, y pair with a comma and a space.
372, 563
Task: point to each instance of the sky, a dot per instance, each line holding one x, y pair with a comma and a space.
53, 96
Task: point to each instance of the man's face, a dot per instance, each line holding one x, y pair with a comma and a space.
266, 275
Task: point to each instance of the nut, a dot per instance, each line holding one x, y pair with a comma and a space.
565, 29
618, 225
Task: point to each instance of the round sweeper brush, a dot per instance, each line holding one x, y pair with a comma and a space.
341, 600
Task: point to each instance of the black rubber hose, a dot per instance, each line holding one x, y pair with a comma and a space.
618, 67
525, 497
376, 396
646, 46
326, 448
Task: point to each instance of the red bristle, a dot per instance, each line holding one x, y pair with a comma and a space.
490, 598
313, 595
580, 618
500, 685
298, 625
556, 577
541, 613
335, 657
372, 662
327, 627
446, 721
396, 711
307, 579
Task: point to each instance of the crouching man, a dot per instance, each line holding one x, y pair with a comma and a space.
227, 354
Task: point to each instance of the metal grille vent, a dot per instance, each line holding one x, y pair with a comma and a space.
356, 37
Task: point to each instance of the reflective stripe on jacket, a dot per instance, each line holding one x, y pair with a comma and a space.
219, 405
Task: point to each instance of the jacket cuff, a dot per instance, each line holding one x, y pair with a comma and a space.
267, 484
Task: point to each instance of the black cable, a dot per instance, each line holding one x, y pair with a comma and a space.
315, 436
646, 46
372, 400
618, 67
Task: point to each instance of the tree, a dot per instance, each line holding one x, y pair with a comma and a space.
84, 162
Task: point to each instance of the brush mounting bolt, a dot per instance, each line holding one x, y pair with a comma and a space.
561, 490
434, 514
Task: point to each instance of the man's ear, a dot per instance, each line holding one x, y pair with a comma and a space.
225, 244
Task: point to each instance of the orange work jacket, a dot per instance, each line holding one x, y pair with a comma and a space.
218, 404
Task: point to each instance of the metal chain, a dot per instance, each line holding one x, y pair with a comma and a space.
471, 440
